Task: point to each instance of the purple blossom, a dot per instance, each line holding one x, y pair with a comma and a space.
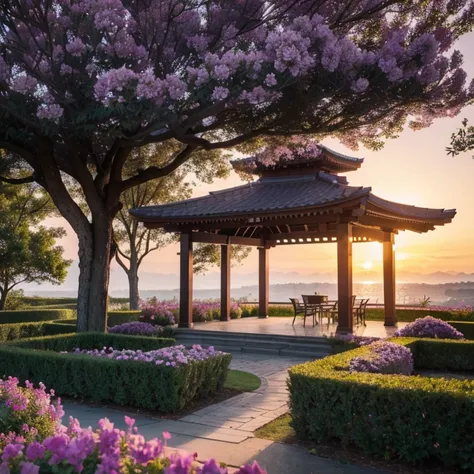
170, 356
50, 111
384, 358
75, 47
360, 85
24, 84
137, 328
430, 327
220, 93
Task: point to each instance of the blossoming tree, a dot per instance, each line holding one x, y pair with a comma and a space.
85, 82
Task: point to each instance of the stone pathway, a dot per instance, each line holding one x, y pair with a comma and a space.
247, 412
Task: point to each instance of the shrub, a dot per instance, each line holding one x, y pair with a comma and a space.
173, 356
107, 450
11, 332
119, 317
163, 313
137, 328
429, 327
465, 327
27, 412
123, 382
411, 418
384, 358
407, 315
35, 315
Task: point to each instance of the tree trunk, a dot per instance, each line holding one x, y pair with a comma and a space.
94, 258
133, 288
3, 300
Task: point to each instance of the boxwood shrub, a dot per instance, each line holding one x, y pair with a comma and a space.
118, 317
411, 418
34, 315
99, 379
11, 332
466, 327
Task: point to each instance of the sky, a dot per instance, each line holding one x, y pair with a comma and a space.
412, 169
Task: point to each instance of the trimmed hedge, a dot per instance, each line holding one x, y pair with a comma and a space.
409, 315
11, 332
411, 418
25, 316
98, 379
466, 327
119, 317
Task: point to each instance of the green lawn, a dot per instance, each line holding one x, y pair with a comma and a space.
278, 430
243, 381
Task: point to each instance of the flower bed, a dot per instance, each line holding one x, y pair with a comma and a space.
103, 379
137, 328
27, 412
33, 441
430, 327
384, 358
411, 418
173, 356
165, 313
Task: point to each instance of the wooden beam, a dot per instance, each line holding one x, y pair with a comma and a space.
262, 222
344, 278
263, 282
364, 232
389, 289
208, 238
389, 225
186, 282
225, 282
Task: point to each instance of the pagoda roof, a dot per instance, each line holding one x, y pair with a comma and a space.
299, 200
328, 160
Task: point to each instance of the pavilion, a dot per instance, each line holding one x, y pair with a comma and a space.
302, 201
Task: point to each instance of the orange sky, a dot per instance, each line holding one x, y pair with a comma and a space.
412, 169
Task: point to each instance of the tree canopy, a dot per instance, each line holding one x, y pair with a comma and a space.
462, 140
27, 254
85, 82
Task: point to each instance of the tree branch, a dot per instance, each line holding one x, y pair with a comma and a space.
154, 172
27, 179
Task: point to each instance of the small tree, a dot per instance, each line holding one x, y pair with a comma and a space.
27, 254
462, 140
133, 240
83, 83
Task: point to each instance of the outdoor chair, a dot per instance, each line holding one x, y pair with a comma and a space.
331, 311
298, 308
360, 310
311, 307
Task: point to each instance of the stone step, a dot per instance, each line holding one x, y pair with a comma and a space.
244, 335
268, 344
208, 335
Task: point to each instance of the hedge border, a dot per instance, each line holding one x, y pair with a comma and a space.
466, 327
412, 418
35, 315
132, 383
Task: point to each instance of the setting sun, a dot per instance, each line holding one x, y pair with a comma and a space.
367, 265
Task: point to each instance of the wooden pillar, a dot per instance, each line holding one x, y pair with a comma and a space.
186, 282
344, 278
225, 282
389, 290
263, 282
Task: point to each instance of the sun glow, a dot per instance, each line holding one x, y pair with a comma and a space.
367, 265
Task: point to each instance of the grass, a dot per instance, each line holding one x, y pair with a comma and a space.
278, 430
242, 381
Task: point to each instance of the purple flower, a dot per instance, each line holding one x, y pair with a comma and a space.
137, 328
430, 327
384, 358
